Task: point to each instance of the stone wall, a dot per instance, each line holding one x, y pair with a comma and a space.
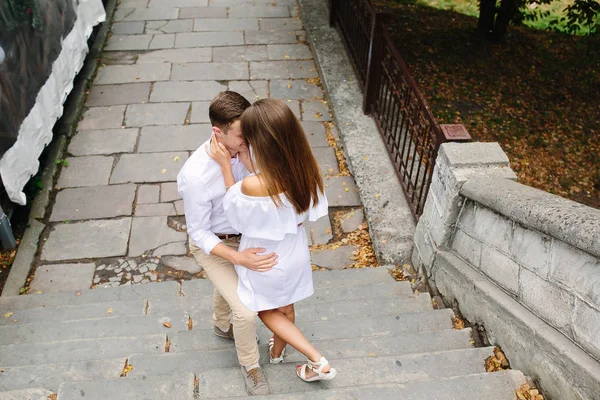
540, 250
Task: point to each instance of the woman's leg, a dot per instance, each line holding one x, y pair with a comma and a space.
279, 323
280, 344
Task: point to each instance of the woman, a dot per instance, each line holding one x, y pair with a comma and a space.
268, 209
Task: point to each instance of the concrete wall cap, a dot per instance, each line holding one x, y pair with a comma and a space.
573, 223
474, 154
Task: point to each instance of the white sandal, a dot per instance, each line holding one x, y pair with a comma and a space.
276, 360
318, 369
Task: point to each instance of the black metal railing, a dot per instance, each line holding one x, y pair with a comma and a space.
410, 132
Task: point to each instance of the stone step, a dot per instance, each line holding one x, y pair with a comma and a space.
488, 386
341, 348
464, 361
187, 303
370, 293
15, 355
178, 311
96, 328
351, 372
153, 324
193, 288
403, 324
26, 394
167, 387
160, 290
50, 376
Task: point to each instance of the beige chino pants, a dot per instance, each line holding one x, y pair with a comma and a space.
227, 303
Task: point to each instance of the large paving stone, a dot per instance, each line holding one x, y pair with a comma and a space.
187, 264
295, 89
283, 70
275, 24
289, 52
208, 39
261, 11
240, 53
269, 37
327, 161
148, 194
156, 114
89, 239
172, 26
153, 210
315, 133
85, 171
352, 220
333, 258
186, 91
252, 90
341, 191
210, 71
93, 202
200, 112
225, 24
102, 118
315, 110
128, 42
173, 138
166, 41
149, 233
150, 167
119, 57
178, 3
110, 95
320, 231
62, 277
176, 56
202, 12
180, 386
145, 14
106, 141
127, 28
168, 192
112, 74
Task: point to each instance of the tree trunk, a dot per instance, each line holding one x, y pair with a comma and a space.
506, 12
487, 12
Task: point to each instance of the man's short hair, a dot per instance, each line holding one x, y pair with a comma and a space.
226, 108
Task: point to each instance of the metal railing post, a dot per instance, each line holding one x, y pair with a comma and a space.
376, 50
335, 4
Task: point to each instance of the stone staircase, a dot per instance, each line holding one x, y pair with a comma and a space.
385, 341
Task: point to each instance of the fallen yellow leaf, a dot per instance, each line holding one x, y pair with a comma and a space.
110, 310
167, 324
8, 314
176, 159
372, 354
164, 171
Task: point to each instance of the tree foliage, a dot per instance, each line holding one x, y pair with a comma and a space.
582, 16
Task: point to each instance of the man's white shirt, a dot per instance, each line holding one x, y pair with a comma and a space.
202, 187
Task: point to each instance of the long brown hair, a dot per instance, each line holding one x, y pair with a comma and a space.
282, 153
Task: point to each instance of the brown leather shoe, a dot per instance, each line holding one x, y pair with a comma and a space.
256, 383
226, 335
229, 333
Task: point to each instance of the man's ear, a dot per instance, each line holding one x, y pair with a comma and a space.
217, 132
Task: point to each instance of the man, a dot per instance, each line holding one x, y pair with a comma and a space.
214, 243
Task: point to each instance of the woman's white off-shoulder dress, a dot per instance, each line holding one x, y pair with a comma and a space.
278, 230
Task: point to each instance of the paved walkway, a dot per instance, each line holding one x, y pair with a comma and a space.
117, 218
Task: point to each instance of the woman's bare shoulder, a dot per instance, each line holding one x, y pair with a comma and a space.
252, 186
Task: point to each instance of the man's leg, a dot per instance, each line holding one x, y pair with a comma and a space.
222, 311
222, 274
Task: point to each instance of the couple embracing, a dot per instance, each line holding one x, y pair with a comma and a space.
246, 193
